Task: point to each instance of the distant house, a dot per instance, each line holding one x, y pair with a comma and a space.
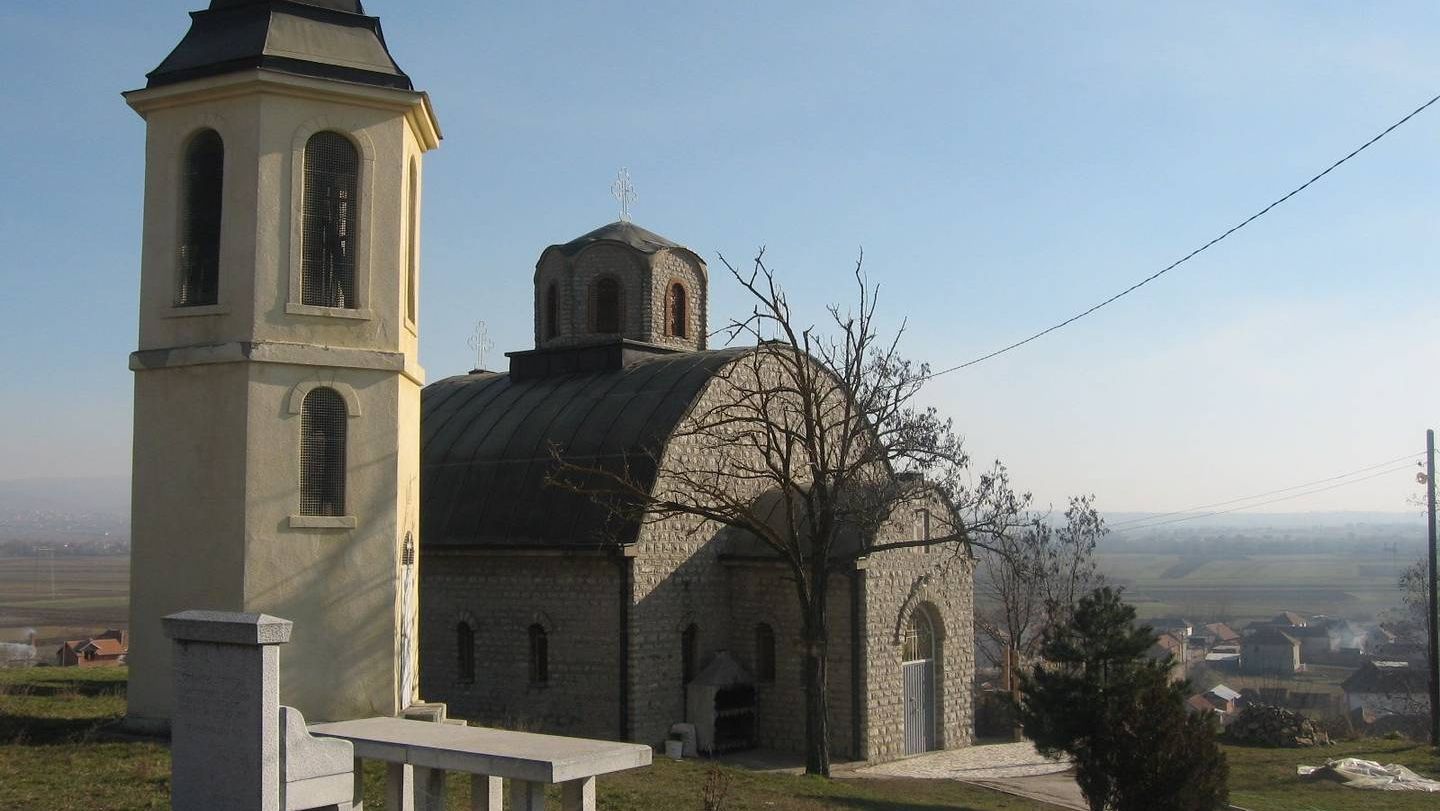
1381, 688
1170, 645
1176, 626
1201, 706
1270, 651
1223, 698
1315, 641
1289, 619
1220, 634
106, 650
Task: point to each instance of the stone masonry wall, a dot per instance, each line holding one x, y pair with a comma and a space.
897, 583
669, 267
575, 598
761, 592
575, 283
677, 581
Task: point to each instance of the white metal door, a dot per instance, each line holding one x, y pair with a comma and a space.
919, 706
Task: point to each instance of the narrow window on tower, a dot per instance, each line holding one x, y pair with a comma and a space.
552, 312
413, 245
465, 651
539, 655
677, 310
322, 453
331, 213
607, 306
198, 280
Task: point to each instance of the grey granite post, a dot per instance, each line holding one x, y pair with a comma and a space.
225, 727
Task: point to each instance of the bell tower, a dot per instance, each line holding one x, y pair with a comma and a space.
277, 388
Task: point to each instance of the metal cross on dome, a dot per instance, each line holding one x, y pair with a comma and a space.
624, 192
481, 343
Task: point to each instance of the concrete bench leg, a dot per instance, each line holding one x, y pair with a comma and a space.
399, 787
429, 789
486, 793
578, 795
526, 796
358, 802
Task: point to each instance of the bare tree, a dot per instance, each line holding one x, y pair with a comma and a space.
808, 443
1033, 573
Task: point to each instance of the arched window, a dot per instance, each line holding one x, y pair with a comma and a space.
552, 312
676, 311
465, 652
198, 281
607, 306
413, 244
689, 639
322, 453
919, 637
764, 653
330, 219
539, 655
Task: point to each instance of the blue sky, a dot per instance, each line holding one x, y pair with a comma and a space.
1002, 165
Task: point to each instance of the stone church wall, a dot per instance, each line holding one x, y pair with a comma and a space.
896, 584
575, 598
677, 581
761, 592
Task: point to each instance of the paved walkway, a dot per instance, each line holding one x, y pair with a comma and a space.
1015, 768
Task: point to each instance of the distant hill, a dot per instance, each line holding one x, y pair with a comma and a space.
1253, 520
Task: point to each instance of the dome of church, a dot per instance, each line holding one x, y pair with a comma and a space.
621, 282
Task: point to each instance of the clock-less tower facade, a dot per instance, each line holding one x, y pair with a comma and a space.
277, 388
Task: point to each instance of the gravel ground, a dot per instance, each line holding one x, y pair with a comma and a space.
971, 763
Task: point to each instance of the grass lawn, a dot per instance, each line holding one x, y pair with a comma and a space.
56, 753
1264, 779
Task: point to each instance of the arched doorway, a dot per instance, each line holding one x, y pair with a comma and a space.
918, 668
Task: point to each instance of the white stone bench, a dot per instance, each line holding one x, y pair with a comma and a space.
489, 756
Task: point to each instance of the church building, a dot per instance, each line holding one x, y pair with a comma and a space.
542, 609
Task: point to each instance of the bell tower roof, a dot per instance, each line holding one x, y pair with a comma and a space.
329, 39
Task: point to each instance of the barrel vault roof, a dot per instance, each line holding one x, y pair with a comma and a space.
485, 441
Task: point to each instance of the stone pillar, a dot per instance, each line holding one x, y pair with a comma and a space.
225, 729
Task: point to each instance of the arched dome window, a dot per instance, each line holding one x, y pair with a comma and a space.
330, 219
675, 311
607, 306
198, 280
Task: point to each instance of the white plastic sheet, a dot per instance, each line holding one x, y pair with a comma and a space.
1368, 774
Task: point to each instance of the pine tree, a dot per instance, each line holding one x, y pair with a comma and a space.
1099, 698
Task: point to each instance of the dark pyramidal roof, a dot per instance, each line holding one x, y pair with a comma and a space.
625, 233
485, 439
330, 39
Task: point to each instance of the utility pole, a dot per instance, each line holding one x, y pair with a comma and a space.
1432, 636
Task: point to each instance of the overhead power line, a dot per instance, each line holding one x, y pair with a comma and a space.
1264, 503
1187, 257
1407, 457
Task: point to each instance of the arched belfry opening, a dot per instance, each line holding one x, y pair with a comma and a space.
620, 282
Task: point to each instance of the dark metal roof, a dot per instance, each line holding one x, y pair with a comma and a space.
625, 233
330, 39
485, 442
